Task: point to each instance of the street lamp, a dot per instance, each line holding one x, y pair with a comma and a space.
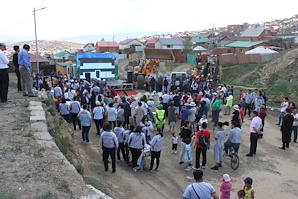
37, 60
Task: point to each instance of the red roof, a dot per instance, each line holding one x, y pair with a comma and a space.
40, 59
151, 41
107, 44
272, 30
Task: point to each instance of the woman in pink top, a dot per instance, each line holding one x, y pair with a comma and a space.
226, 187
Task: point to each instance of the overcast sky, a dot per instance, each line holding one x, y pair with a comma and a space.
68, 18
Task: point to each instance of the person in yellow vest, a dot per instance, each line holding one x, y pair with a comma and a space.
160, 117
229, 103
249, 191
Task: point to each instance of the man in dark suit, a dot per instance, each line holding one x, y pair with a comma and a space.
127, 111
286, 129
95, 97
16, 65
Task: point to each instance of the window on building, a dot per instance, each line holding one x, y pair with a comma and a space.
241, 51
169, 46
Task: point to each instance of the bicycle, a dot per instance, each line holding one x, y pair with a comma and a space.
234, 158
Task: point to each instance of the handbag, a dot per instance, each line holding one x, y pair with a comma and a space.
195, 192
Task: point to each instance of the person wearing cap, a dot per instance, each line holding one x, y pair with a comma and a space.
24, 67
248, 189
229, 103
216, 108
199, 189
16, 65
4, 78
98, 115
226, 187
236, 116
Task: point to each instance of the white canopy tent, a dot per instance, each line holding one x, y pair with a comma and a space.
261, 50
199, 48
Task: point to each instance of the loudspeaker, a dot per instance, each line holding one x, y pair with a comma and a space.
88, 77
129, 76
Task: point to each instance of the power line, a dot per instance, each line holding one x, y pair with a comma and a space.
41, 3
26, 19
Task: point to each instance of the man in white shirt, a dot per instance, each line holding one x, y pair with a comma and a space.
4, 79
295, 124
165, 102
255, 128
283, 106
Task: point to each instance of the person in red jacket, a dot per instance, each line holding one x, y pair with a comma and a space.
262, 115
201, 149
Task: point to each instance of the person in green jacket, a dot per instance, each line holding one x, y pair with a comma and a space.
160, 117
216, 108
229, 103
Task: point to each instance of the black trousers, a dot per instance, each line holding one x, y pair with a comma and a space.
154, 155
126, 148
4, 81
253, 143
247, 107
174, 147
66, 117
121, 148
135, 156
165, 107
97, 124
113, 123
200, 151
109, 152
74, 117
19, 79
285, 144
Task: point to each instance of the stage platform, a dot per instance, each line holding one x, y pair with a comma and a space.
120, 85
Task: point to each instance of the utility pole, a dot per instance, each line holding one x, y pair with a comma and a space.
36, 44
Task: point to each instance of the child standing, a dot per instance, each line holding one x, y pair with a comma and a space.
188, 154
249, 191
225, 187
174, 143
240, 194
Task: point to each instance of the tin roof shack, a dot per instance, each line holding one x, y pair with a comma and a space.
240, 47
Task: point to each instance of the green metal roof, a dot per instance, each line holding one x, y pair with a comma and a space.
201, 39
60, 54
64, 64
243, 44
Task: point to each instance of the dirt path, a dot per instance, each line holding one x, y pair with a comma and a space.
272, 169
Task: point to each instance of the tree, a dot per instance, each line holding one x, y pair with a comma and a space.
187, 45
102, 39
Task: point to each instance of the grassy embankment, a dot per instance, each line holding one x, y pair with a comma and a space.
280, 83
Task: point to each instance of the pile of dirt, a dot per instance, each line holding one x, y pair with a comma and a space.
279, 66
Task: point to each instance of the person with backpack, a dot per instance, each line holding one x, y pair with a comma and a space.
219, 144
202, 143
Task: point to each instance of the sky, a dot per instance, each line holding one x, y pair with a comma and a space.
70, 18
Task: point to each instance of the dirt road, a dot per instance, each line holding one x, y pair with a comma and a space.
272, 169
